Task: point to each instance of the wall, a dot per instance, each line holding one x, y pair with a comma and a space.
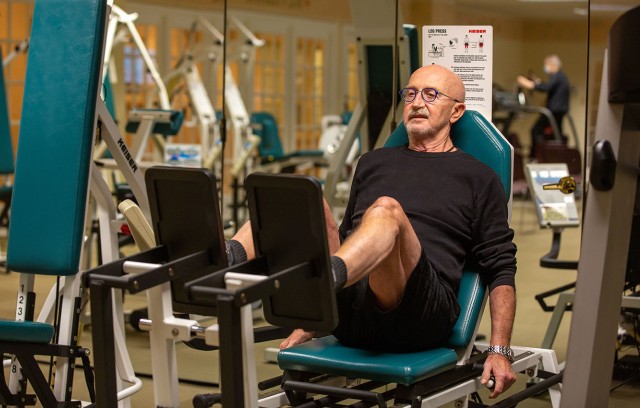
333, 10
520, 45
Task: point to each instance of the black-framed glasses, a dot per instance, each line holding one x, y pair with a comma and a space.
428, 94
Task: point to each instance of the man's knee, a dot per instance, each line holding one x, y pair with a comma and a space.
387, 205
385, 210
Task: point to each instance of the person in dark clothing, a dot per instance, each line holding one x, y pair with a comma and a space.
415, 215
557, 89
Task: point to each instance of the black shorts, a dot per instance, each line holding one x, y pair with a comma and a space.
423, 319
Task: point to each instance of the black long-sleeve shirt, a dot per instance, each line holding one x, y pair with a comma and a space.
455, 203
557, 88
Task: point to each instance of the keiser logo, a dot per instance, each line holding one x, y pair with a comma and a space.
127, 155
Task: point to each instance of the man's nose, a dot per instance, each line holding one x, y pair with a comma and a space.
418, 100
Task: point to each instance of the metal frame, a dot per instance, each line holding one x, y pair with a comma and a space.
603, 256
367, 33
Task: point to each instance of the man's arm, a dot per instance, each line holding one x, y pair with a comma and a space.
525, 82
502, 303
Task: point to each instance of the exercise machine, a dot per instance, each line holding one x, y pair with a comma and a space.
552, 190
6, 144
160, 122
421, 378
508, 106
292, 257
46, 235
21, 48
607, 222
56, 229
187, 69
6, 155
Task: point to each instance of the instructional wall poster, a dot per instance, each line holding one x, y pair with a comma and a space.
467, 51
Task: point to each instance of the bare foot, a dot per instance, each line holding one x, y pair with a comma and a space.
298, 336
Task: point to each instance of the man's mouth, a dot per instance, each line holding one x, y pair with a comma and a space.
419, 115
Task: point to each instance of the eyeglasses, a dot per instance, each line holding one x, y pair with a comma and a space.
428, 94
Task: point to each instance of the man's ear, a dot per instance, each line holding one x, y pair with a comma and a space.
457, 112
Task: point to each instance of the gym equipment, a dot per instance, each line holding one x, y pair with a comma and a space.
46, 235
372, 117
6, 153
190, 244
119, 26
423, 379
187, 68
6, 145
507, 106
607, 222
161, 122
55, 229
21, 47
287, 261
552, 190
273, 157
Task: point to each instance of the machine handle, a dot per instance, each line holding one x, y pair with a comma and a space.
566, 185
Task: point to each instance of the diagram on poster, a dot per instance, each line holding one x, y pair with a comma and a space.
467, 51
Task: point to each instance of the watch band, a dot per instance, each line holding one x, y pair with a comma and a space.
504, 351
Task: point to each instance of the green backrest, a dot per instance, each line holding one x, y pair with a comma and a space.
265, 126
56, 136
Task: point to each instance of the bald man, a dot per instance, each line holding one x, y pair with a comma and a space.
416, 214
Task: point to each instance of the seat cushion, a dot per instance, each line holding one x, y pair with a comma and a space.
27, 332
326, 355
170, 128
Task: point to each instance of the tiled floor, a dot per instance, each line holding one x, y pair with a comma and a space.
198, 369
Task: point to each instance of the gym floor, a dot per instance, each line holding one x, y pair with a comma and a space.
198, 369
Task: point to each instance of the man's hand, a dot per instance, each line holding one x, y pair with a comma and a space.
499, 368
296, 337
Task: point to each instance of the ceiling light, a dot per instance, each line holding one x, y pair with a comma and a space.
553, 1
617, 8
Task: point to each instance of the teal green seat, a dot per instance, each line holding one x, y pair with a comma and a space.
270, 149
170, 128
327, 356
478, 137
25, 331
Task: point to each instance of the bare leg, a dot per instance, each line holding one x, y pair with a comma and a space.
244, 237
386, 248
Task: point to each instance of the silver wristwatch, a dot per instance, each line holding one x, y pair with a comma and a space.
502, 350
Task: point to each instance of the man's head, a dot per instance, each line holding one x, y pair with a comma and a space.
552, 64
429, 120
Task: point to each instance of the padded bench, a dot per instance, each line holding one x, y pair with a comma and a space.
327, 356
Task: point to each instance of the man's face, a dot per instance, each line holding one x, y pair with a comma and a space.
423, 119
